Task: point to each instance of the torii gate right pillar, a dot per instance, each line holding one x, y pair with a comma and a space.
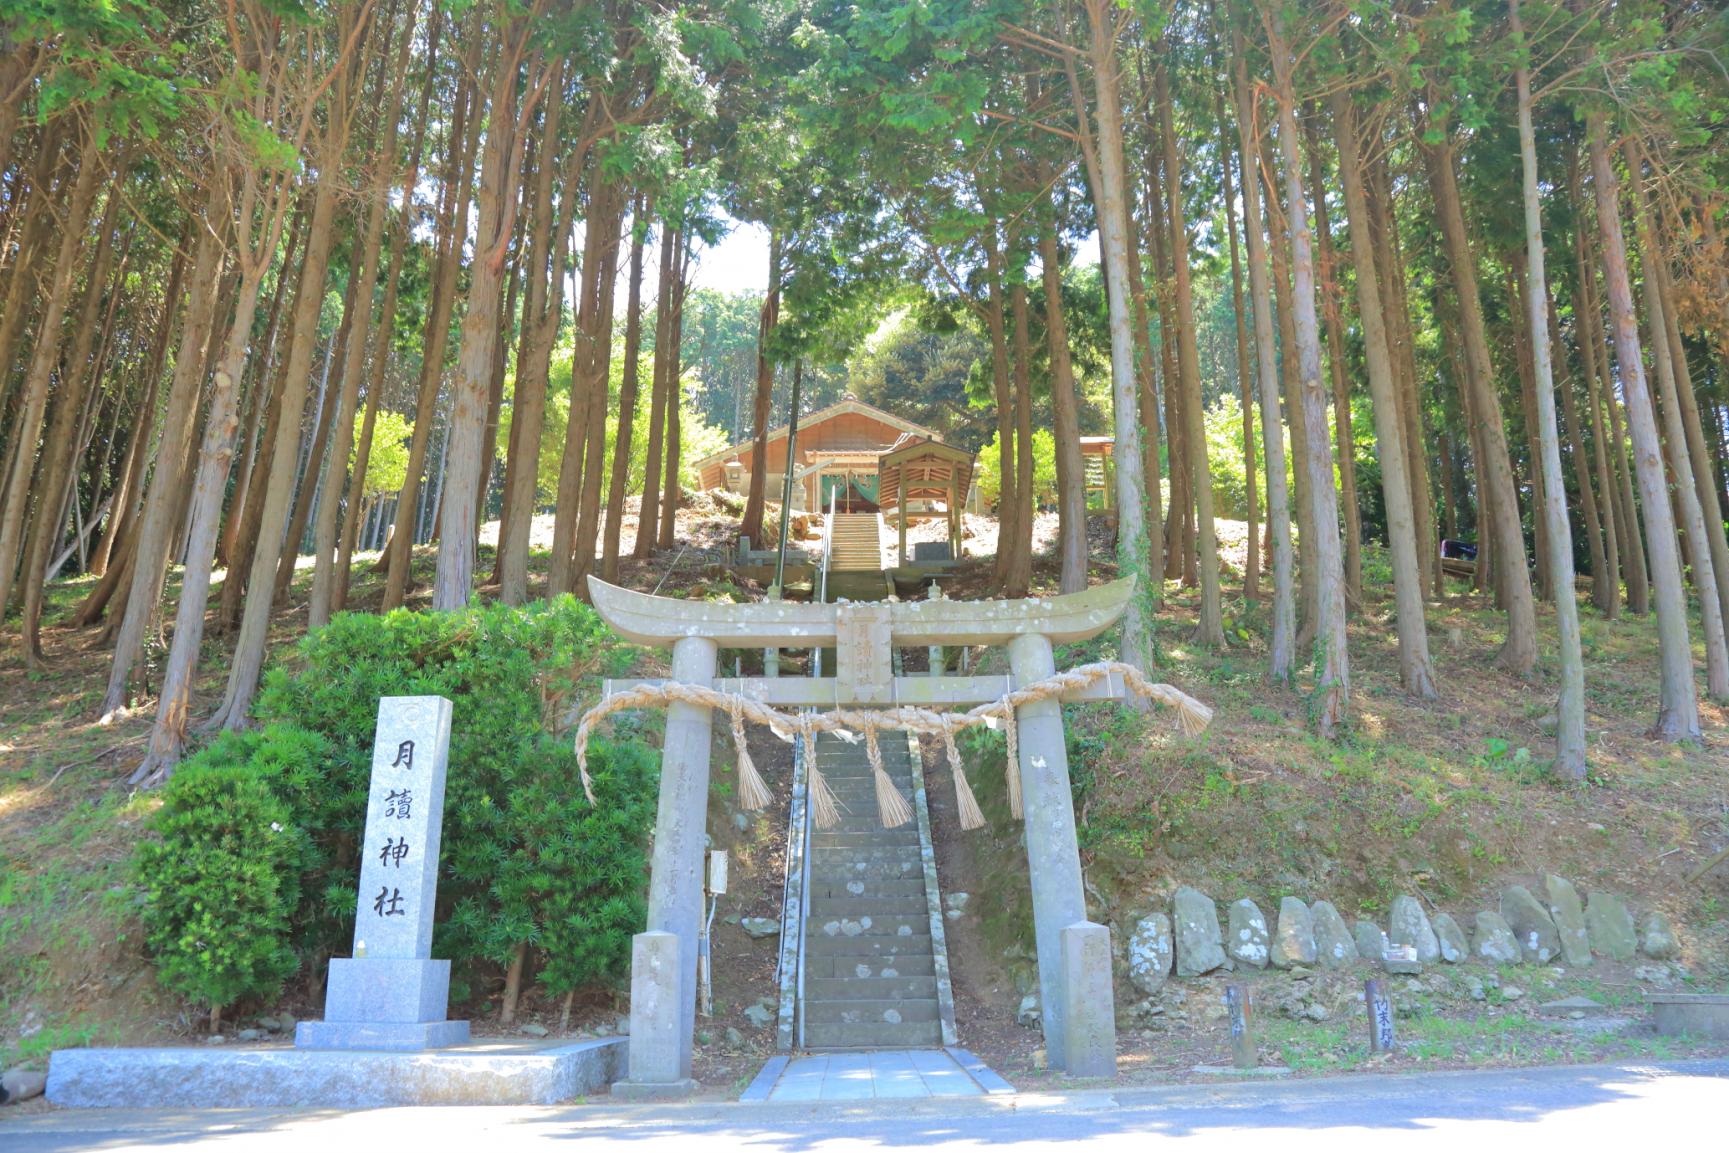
1054, 867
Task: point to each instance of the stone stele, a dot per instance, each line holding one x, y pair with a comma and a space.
391, 994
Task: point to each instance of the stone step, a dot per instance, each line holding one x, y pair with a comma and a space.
832, 990
907, 834
887, 1011
861, 795
870, 944
850, 860
906, 1035
829, 966
835, 885
871, 871
888, 925
853, 906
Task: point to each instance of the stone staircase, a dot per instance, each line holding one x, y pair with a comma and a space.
870, 961
855, 567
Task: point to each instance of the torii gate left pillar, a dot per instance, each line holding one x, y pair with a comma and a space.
1074, 954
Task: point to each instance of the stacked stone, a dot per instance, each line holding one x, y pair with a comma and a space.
1560, 927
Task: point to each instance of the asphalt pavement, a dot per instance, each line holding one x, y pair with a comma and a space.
1628, 1108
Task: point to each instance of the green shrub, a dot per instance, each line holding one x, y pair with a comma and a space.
525, 859
222, 875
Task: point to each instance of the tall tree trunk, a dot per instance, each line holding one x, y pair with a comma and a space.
1384, 225
605, 207
1570, 711
62, 448
620, 478
1331, 310
258, 393
39, 203
249, 647
148, 548
1002, 387
1685, 492
1611, 452
325, 583
1210, 629
1110, 197
1071, 473
1678, 710
1281, 648
476, 355
648, 511
1416, 672
1252, 557
27, 429
762, 408
540, 320
1704, 476
385, 334
451, 232
673, 494
1495, 472
1598, 544
216, 453
1542, 584
1285, 307
325, 409
1333, 675
1019, 578
596, 367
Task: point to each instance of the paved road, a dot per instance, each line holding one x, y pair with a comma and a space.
1636, 1109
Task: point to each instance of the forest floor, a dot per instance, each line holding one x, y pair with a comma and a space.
1448, 800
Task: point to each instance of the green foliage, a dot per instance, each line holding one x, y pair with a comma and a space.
525, 860
223, 878
988, 473
387, 461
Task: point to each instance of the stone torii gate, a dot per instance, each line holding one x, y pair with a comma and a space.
1074, 954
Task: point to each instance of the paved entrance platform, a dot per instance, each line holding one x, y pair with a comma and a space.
479, 1073
858, 1076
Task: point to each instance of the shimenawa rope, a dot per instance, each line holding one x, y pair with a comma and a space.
892, 809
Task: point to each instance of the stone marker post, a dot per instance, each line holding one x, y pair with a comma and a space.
1380, 1007
663, 959
1053, 856
1239, 1004
1090, 1047
390, 994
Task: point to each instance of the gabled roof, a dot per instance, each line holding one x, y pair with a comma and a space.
918, 468
846, 405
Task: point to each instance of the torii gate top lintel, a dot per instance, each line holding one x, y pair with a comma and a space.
664, 621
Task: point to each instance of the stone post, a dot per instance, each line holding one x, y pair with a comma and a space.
675, 886
656, 1054
1053, 857
390, 994
1091, 1043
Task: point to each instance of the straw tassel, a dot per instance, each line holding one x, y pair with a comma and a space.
1013, 767
825, 810
753, 794
892, 808
972, 817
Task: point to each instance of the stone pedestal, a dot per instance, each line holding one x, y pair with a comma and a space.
1053, 856
1090, 1048
391, 994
